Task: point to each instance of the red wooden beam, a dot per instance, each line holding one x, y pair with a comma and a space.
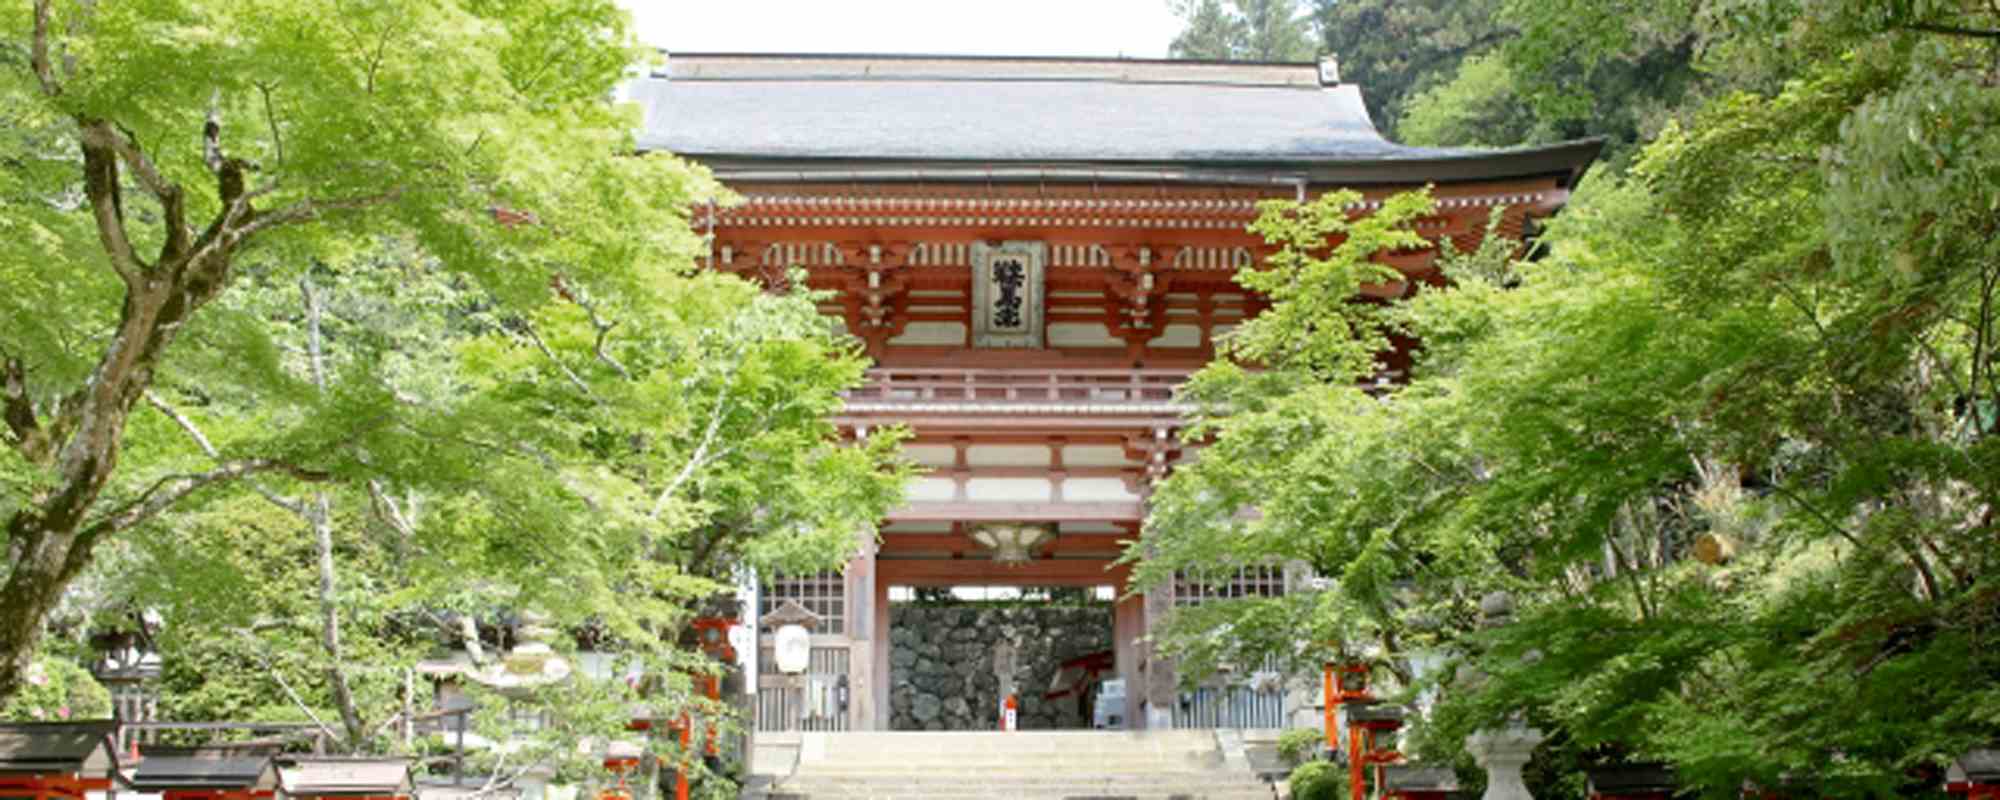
1102, 545
1041, 572
1020, 512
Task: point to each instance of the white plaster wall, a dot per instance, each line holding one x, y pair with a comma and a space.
1094, 455
1008, 490
1096, 489
932, 455
1007, 455
1081, 334
1179, 336
931, 333
932, 490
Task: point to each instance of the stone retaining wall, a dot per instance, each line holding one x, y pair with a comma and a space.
941, 662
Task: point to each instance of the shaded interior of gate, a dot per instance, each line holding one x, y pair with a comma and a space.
929, 663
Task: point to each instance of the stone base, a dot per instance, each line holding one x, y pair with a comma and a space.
1503, 753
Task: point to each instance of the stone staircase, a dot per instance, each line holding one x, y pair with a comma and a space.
1027, 765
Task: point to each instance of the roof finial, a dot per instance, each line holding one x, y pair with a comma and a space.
1329, 70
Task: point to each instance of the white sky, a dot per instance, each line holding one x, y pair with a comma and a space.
1131, 28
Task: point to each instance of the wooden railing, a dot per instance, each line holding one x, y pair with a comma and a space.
1108, 386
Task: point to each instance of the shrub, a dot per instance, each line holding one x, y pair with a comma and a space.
1296, 745
1318, 780
55, 690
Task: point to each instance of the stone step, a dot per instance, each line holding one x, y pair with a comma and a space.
1081, 795
1005, 769
1027, 765
972, 788
1167, 745
959, 779
890, 794
975, 786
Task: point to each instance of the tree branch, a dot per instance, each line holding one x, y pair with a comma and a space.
271, 119
19, 410
1953, 30
100, 186
700, 456
286, 687
320, 517
171, 489
599, 323
211, 136
310, 209
391, 512
38, 50
315, 353
207, 448
172, 200
528, 328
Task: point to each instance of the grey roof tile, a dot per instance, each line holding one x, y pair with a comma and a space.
864, 117
1010, 120
333, 777
58, 747
160, 771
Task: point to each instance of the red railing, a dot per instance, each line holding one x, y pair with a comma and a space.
1108, 386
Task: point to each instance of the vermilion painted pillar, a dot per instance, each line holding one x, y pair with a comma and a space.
1128, 623
867, 648
883, 677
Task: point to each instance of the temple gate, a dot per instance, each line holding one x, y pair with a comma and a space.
1036, 253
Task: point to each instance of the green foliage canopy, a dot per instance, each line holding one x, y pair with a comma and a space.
1771, 343
389, 274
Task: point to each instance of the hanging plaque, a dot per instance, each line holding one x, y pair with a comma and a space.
1007, 293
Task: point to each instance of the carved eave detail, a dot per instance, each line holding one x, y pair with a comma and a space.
878, 290
1135, 290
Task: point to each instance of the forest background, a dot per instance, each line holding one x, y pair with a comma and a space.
1720, 437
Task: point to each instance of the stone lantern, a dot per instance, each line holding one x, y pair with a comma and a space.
791, 625
530, 664
1502, 752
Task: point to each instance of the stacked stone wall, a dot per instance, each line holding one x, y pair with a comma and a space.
941, 662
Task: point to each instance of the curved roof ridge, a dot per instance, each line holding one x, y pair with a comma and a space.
864, 67
812, 113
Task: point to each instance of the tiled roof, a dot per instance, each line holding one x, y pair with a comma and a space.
58, 747
1094, 121
162, 771
332, 777
1009, 111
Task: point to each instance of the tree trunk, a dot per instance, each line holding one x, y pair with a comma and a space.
49, 533
55, 532
32, 588
320, 516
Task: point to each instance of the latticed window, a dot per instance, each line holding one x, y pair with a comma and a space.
1267, 581
824, 594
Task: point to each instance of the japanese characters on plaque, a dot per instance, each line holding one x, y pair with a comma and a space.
1007, 293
